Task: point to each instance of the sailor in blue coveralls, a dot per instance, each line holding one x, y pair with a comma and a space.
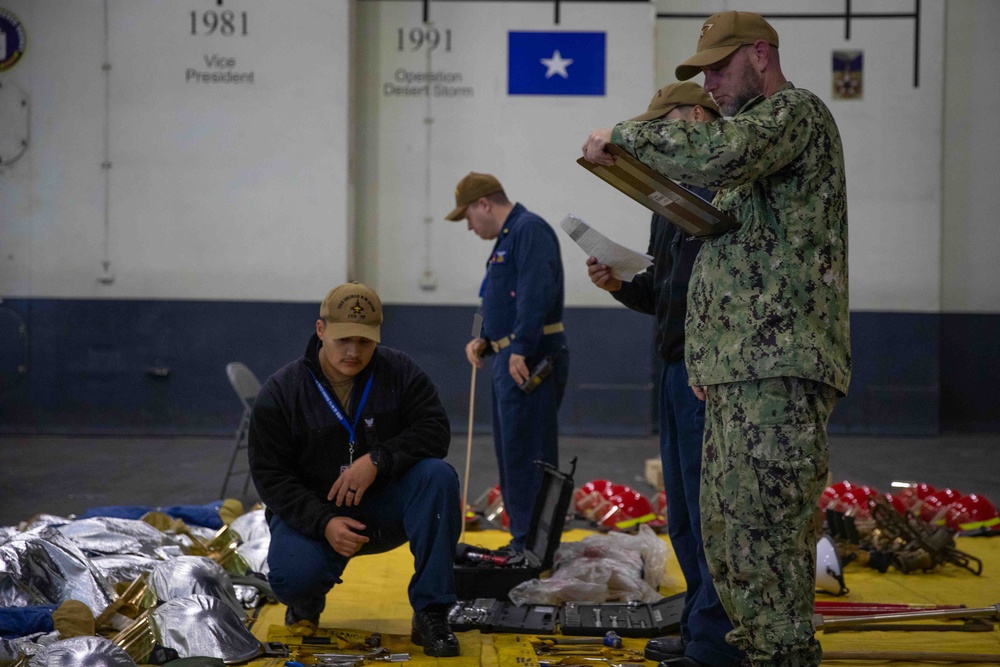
522, 311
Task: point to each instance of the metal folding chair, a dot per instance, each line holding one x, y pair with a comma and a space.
246, 385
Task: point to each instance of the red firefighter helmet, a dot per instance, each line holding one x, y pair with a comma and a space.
913, 493
828, 498
972, 512
631, 509
660, 506
494, 508
897, 503
615, 506
855, 502
593, 493
835, 490
471, 519
841, 487
934, 506
833, 495
869, 492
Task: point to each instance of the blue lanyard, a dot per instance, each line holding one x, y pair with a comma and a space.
339, 415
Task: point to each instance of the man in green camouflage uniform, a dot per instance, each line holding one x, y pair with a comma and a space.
767, 326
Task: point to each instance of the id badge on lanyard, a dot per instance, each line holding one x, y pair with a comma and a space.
350, 428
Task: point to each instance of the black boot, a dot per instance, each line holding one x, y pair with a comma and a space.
301, 624
431, 630
664, 648
682, 661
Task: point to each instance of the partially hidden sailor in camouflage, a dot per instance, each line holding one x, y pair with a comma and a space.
767, 329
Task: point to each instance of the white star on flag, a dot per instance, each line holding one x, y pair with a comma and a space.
557, 65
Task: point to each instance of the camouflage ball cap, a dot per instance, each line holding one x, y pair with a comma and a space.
353, 309
721, 35
471, 188
676, 95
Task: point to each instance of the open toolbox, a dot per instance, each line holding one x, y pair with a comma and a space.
485, 574
628, 619
491, 615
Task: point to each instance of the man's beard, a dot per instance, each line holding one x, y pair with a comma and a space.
751, 85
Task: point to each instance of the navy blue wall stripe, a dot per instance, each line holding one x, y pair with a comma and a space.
970, 372
137, 367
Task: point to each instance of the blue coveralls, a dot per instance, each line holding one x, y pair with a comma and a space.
418, 508
523, 292
662, 291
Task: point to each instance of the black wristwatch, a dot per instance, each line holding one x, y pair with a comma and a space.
380, 457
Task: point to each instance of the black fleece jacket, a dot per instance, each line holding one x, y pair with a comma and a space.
661, 290
297, 445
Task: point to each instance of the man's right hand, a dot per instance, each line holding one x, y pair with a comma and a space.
601, 275
595, 148
474, 352
342, 534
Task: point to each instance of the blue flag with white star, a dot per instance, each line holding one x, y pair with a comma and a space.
555, 63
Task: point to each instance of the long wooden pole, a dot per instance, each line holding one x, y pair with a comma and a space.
468, 451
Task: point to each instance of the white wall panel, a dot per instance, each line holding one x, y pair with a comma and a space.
51, 200
529, 142
241, 191
971, 159
217, 190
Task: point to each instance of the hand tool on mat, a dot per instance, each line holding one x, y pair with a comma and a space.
599, 652
611, 639
567, 662
341, 639
378, 655
355, 661
912, 656
850, 622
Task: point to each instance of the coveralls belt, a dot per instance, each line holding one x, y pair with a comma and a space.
555, 327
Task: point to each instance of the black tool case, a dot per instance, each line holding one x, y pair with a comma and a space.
489, 615
643, 619
485, 580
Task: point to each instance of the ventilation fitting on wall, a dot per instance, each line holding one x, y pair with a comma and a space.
15, 129
106, 277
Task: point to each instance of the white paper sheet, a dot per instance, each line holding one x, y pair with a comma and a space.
624, 262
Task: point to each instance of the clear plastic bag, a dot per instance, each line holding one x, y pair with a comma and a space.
602, 568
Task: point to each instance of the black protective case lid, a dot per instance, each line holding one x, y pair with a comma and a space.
549, 514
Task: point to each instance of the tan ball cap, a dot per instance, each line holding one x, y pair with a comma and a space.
353, 309
471, 188
721, 35
676, 95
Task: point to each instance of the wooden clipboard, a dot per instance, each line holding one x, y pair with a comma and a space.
659, 194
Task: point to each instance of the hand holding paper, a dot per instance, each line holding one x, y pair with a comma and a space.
624, 262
